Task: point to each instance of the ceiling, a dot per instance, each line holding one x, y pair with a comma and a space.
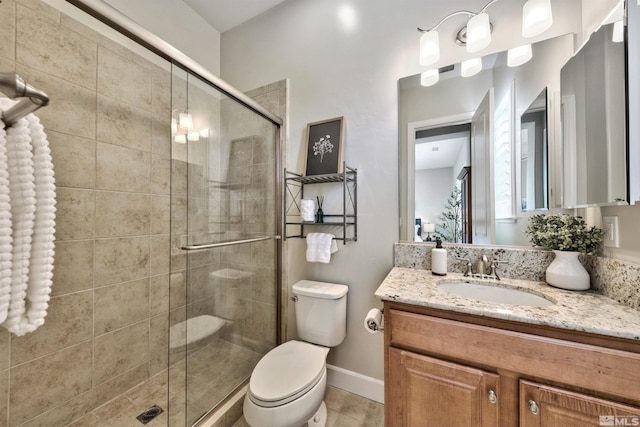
226, 14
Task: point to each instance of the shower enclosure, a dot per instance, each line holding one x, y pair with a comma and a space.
224, 263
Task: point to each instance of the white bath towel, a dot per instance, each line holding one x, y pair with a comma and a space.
5, 229
320, 246
32, 208
42, 249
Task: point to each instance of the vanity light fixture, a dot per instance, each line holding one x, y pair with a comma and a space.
182, 128
430, 77
536, 17
618, 32
185, 121
476, 34
519, 55
429, 48
471, 67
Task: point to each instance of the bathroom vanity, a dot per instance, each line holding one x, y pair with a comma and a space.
454, 360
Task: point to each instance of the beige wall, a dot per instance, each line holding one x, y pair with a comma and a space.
106, 330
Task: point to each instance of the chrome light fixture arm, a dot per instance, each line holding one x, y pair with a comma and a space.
459, 12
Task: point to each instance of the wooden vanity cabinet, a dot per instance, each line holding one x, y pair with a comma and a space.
430, 391
541, 405
452, 369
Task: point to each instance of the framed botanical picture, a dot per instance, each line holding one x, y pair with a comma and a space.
325, 146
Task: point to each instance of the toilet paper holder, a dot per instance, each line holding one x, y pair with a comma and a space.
373, 322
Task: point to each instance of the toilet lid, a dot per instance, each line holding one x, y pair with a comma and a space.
287, 371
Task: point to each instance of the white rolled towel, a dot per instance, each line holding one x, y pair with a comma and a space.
32, 207
5, 228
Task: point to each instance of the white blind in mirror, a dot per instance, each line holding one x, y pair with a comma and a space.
503, 158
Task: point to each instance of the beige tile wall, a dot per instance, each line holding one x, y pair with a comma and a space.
106, 330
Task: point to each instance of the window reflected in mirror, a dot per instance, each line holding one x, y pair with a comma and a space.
534, 170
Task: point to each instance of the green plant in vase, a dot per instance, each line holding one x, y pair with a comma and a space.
568, 237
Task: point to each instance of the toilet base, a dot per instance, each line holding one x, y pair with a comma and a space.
319, 419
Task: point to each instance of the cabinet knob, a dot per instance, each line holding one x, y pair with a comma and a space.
533, 407
493, 398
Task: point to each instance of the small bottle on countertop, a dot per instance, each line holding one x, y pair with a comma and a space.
439, 259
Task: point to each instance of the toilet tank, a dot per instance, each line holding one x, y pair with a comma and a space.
321, 312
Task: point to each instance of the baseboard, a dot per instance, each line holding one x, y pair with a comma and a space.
356, 383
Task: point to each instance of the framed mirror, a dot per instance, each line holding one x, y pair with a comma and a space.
508, 199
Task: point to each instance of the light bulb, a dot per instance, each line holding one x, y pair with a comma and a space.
471, 67
429, 48
618, 32
430, 77
519, 55
185, 121
478, 33
536, 17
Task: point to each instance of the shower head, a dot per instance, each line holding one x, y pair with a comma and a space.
14, 87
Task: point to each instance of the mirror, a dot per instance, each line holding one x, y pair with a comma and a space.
509, 197
594, 115
533, 156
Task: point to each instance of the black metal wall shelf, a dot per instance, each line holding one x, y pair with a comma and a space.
344, 224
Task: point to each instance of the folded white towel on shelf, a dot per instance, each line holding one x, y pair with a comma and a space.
320, 246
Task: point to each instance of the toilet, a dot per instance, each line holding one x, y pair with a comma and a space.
287, 385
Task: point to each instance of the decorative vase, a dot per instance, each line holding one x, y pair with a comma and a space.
567, 272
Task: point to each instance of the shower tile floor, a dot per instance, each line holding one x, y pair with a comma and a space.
344, 409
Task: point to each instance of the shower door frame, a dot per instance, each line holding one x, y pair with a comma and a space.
121, 23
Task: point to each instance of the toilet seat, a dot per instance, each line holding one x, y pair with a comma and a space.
287, 372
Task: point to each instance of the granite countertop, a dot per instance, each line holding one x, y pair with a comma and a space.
580, 311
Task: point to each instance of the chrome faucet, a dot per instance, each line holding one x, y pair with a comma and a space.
482, 265
468, 265
483, 268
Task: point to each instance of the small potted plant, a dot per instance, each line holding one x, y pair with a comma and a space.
568, 237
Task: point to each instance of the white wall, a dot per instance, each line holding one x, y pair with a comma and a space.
433, 189
179, 25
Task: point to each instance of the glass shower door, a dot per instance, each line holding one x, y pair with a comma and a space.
224, 293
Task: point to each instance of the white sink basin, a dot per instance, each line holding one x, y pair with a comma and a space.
493, 293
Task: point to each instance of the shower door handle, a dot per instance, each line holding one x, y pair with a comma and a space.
222, 244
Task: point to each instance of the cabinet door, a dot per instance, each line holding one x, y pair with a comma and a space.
424, 392
544, 406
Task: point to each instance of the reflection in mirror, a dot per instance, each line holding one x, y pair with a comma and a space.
534, 155
455, 100
441, 155
594, 123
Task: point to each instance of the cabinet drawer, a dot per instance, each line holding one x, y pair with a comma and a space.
608, 371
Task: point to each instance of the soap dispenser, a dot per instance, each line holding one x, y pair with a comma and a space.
439, 259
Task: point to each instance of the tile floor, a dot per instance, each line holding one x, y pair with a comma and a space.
346, 410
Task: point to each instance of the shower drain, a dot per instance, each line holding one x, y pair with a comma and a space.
149, 414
